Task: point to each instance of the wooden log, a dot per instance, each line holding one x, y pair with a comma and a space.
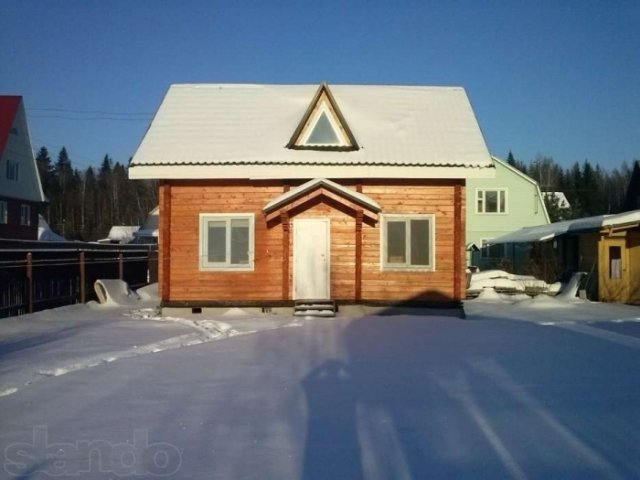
358, 265
457, 238
286, 229
165, 237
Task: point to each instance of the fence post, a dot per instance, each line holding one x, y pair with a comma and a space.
30, 282
120, 266
83, 279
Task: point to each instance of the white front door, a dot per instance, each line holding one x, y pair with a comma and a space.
311, 258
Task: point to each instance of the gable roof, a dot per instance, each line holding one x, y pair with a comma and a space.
296, 192
8, 110
321, 187
514, 170
242, 131
526, 177
15, 147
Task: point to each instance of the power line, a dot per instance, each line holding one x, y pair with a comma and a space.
94, 112
62, 117
72, 157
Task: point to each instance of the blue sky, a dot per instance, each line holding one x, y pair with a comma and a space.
557, 78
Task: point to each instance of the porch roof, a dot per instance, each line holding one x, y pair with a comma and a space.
311, 185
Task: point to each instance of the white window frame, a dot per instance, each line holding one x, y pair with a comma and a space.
482, 249
501, 192
4, 212
227, 266
25, 215
407, 266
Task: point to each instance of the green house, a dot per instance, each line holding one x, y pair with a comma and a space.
497, 206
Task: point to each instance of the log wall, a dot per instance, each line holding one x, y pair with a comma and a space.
181, 202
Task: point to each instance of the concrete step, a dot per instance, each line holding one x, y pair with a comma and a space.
315, 308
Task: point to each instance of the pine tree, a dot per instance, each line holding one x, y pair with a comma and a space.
106, 214
589, 193
45, 171
574, 183
90, 205
632, 197
62, 175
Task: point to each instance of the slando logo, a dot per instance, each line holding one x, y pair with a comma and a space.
138, 457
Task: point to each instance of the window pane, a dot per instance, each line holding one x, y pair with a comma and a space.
502, 201
217, 241
396, 242
240, 241
419, 242
615, 263
491, 197
323, 133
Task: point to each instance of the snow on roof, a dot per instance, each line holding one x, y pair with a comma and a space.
45, 234
150, 226
559, 197
323, 182
241, 131
121, 233
541, 233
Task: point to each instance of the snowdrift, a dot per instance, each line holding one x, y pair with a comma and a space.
115, 293
502, 281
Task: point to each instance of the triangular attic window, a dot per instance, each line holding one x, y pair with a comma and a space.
323, 127
323, 133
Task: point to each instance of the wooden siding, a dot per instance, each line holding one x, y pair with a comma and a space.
633, 243
12, 229
267, 281
436, 197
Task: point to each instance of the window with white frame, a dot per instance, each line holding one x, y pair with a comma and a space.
25, 214
4, 212
408, 242
491, 201
226, 241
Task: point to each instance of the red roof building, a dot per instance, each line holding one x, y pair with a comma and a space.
21, 193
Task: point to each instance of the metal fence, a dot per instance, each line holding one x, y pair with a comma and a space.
39, 275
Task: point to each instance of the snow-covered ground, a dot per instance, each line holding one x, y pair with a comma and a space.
519, 389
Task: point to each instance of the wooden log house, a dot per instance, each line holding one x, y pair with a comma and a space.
276, 193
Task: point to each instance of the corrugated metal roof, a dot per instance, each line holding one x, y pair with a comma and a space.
542, 233
226, 125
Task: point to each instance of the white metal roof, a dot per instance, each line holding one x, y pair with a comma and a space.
541, 233
241, 131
